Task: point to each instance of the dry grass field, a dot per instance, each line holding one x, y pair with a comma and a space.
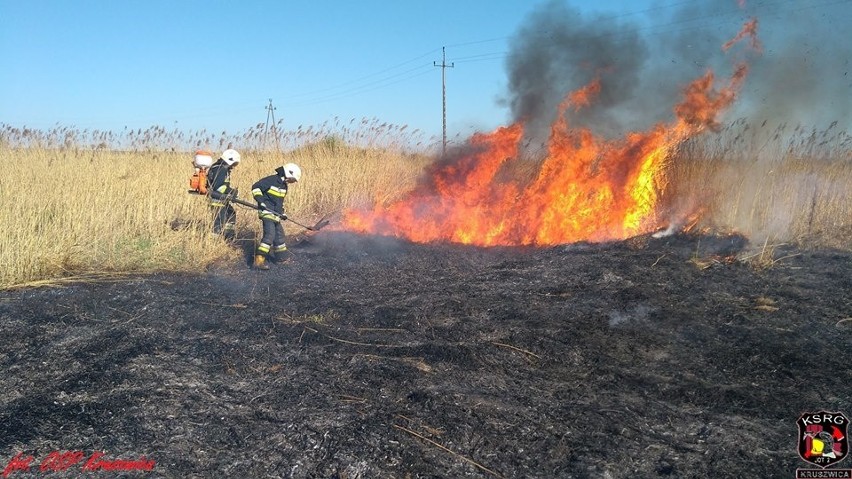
366, 356
83, 203
771, 185
75, 210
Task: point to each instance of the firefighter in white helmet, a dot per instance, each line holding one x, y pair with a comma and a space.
269, 192
220, 191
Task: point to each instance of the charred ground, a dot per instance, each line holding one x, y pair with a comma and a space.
367, 357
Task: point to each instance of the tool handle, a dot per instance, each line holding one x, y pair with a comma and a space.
244, 203
255, 207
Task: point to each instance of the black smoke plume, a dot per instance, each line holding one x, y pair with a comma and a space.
643, 59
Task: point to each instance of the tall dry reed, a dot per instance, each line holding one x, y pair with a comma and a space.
72, 209
80, 202
771, 185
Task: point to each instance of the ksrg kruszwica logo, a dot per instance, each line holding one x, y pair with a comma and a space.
823, 437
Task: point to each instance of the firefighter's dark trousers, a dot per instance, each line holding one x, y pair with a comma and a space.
272, 241
225, 221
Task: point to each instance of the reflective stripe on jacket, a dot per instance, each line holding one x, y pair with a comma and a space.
269, 192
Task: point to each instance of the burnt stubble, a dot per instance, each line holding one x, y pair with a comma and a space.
366, 357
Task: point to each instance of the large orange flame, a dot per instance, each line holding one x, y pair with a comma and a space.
586, 189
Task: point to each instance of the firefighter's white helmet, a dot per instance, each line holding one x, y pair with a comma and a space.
203, 159
292, 170
231, 157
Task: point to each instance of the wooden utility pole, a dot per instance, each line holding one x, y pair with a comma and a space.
444, 67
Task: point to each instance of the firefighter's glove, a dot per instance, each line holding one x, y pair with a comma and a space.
283, 216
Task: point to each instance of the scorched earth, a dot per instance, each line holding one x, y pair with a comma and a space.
369, 357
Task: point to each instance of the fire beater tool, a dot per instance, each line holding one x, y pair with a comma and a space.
320, 224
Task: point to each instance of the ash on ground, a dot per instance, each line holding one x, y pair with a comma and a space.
364, 357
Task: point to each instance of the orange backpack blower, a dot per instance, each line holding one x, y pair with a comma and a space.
198, 181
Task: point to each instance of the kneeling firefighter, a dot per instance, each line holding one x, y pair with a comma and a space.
269, 192
220, 191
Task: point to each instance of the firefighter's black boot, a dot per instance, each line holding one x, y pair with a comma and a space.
282, 256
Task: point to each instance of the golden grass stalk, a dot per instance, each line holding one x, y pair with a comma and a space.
73, 211
781, 190
86, 203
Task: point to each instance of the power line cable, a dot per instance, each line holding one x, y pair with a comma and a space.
365, 77
372, 86
426, 68
662, 29
356, 89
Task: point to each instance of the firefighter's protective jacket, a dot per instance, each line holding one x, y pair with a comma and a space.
219, 183
269, 192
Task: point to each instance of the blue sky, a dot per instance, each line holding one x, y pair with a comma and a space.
105, 64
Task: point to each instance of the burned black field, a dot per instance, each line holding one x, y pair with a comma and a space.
367, 357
